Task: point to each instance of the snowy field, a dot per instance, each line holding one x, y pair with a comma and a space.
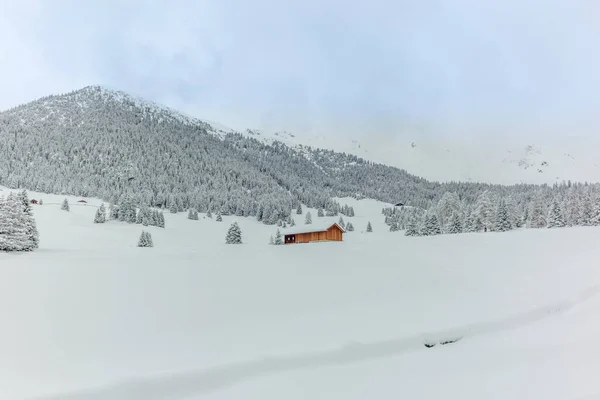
91, 316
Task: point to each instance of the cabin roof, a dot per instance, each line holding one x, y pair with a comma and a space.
318, 227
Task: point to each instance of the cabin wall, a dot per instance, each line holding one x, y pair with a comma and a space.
334, 233
311, 237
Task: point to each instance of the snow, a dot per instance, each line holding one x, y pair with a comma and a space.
91, 316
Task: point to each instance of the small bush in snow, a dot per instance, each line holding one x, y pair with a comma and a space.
65, 205
100, 217
193, 214
369, 227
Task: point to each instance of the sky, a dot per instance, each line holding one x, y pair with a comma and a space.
436, 67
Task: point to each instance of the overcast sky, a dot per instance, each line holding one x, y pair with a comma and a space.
329, 66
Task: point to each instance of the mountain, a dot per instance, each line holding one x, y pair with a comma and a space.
105, 143
500, 160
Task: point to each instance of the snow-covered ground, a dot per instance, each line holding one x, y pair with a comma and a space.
91, 316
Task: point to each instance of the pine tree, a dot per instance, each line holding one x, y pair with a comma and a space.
431, 226
369, 227
454, 224
412, 229
41, 202
29, 221
100, 217
280, 223
234, 234
192, 214
209, 214
538, 214
342, 223
299, 210
271, 241
502, 218
555, 216
65, 205
349, 227
394, 227
145, 240
595, 220
113, 211
278, 238
160, 222
293, 222
219, 218
13, 226
320, 213
308, 219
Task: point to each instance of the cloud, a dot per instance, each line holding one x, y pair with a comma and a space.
449, 65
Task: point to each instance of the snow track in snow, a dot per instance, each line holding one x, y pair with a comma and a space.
183, 385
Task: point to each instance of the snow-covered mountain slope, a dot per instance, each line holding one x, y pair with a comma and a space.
91, 316
498, 160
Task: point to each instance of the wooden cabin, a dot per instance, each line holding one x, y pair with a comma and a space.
315, 233
34, 201
82, 201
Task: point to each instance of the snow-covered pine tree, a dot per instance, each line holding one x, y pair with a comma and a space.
351, 211
100, 216
394, 227
160, 222
192, 214
145, 240
234, 234
219, 218
284, 224
41, 202
65, 205
293, 222
279, 223
454, 224
502, 218
29, 221
349, 227
431, 226
271, 241
320, 213
209, 214
484, 209
308, 219
278, 237
537, 216
369, 227
113, 211
342, 223
13, 227
586, 209
595, 220
412, 229
299, 210
555, 216
173, 208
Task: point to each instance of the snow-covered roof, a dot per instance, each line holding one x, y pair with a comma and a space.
318, 227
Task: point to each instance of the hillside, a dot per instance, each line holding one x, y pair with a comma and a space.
91, 316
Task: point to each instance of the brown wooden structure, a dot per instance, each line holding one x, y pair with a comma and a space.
327, 233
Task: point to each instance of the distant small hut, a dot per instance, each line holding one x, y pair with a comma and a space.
82, 202
315, 233
34, 201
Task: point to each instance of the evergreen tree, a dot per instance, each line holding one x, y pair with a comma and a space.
29, 221
349, 227
394, 227
320, 213
41, 202
299, 210
234, 234
209, 214
431, 226
293, 222
113, 211
454, 224
160, 222
595, 220
145, 240
192, 214
485, 211
219, 218
537, 216
100, 217
14, 235
308, 219
369, 227
412, 229
65, 205
278, 238
555, 216
271, 241
342, 223
502, 218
